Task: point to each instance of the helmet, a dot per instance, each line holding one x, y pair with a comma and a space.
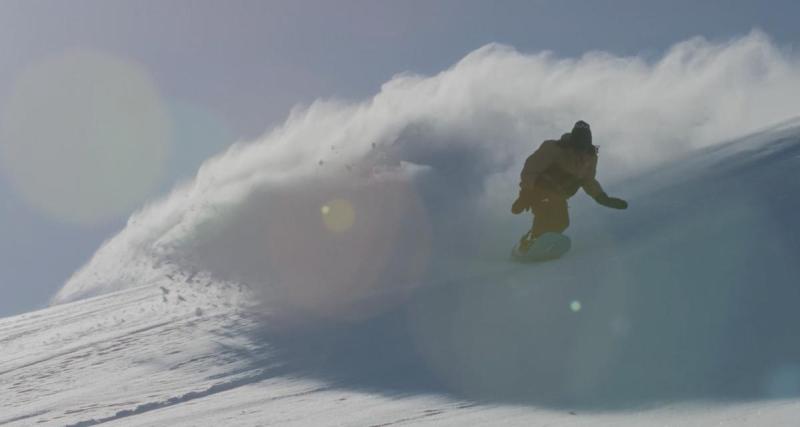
581, 136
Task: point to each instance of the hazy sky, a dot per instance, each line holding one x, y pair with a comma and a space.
228, 71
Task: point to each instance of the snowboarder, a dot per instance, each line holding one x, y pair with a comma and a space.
553, 174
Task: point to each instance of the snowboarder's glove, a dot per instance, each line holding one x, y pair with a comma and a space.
522, 204
611, 202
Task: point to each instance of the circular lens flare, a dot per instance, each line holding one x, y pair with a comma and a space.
338, 215
85, 136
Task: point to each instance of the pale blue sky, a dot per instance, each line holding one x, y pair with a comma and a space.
231, 70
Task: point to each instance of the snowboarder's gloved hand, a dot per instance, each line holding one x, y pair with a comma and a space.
522, 203
611, 202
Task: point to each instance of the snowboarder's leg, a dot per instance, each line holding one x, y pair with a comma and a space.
550, 215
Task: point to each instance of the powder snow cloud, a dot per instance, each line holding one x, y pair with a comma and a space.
352, 204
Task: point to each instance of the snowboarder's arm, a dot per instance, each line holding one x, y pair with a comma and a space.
590, 184
537, 163
593, 188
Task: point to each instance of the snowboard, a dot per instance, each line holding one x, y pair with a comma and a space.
547, 247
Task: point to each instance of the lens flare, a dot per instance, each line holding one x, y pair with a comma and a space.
85, 136
338, 215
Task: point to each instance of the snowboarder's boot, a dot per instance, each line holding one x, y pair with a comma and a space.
525, 242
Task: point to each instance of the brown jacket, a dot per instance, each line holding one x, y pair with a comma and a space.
557, 169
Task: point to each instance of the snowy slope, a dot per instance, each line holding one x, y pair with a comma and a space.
680, 311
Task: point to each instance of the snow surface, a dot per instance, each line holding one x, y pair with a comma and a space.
680, 311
